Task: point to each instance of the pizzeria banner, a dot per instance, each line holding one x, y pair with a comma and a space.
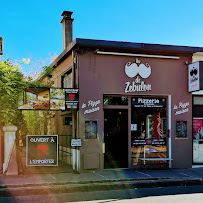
148, 102
49, 99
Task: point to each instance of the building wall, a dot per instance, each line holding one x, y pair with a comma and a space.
59, 71
197, 57
104, 74
56, 119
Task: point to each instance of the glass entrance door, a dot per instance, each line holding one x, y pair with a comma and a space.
116, 138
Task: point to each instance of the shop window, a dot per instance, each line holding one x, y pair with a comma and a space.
148, 131
198, 100
197, 130
66, 80
115, 100
198, 140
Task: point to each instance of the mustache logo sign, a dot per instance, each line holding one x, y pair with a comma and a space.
133, 69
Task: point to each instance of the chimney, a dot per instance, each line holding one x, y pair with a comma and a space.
67, 22
1, 47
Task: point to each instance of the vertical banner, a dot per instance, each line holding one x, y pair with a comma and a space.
194, 77
42, 150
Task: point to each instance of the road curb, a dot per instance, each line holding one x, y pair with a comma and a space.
102, 186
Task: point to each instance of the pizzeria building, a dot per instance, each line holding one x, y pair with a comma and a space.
135, 109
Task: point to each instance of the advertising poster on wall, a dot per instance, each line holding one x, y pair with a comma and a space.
72, 99
198, 140
90, 129
57, 99
42, 150
181, 129
34, 99
43, 98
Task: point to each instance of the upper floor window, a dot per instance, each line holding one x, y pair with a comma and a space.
66, 80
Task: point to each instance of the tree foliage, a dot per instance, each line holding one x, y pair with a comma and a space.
12, 83
36, 122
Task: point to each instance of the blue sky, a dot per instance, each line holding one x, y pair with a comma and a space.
33, 28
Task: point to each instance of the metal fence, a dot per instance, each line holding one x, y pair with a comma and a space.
65, 151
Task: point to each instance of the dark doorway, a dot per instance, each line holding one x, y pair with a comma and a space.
116, 138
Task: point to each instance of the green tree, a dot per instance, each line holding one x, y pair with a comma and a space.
12, 83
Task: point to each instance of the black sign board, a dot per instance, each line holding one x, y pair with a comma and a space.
90, 129
71, 99
181, 129
42, 150
148, 102
151, 142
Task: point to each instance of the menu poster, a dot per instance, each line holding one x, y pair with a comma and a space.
181, 129
90, 129
72, 99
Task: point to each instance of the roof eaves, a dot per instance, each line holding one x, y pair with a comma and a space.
120, 45
131, 45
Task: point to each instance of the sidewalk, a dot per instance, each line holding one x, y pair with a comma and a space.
92, 181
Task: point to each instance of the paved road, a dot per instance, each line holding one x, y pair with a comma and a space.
158, 195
